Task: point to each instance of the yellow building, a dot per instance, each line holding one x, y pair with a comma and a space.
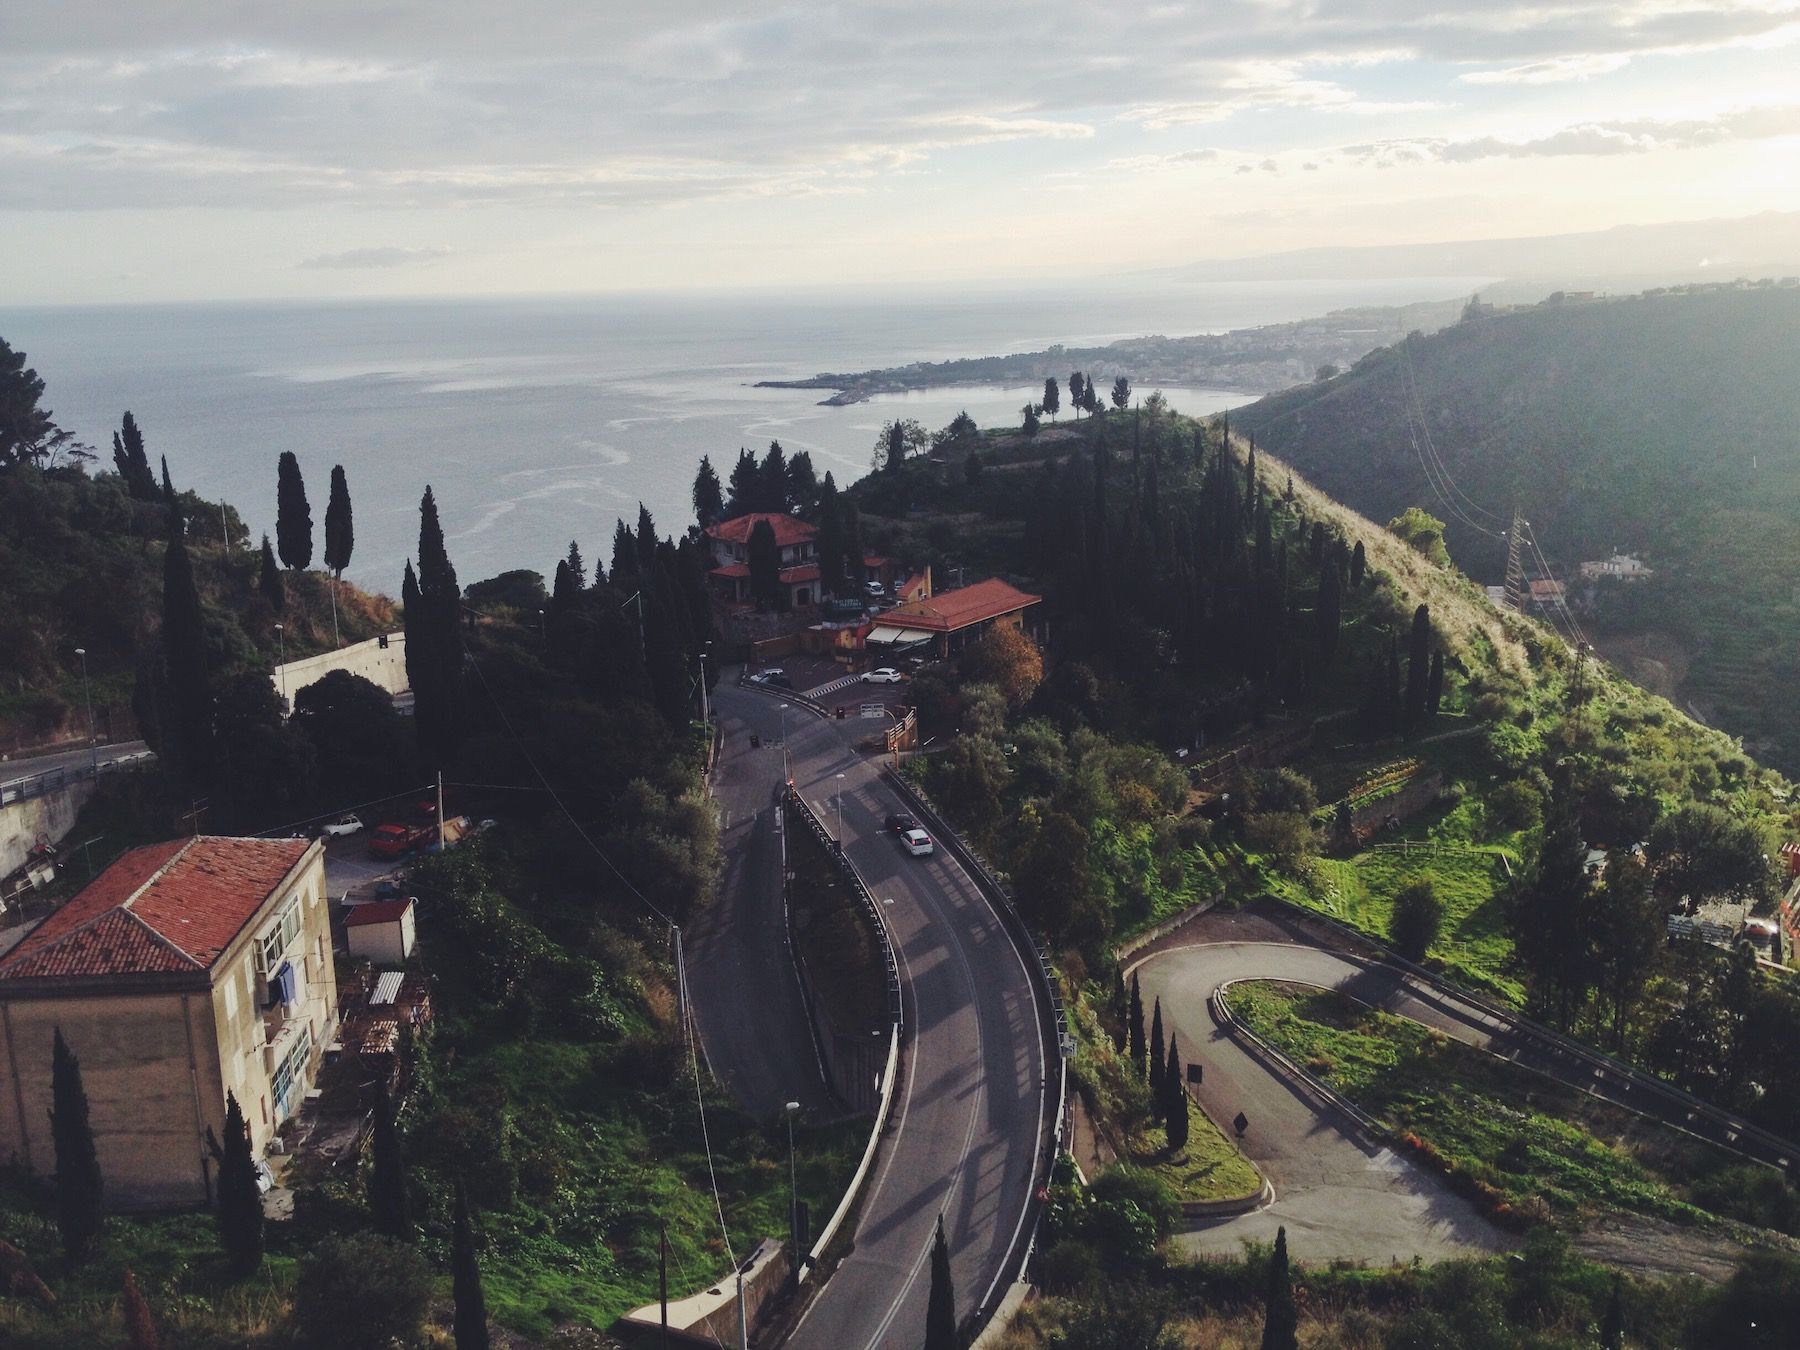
183, 971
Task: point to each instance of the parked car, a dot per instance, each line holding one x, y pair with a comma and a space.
874, 590
344, 824
885, 675
775, 677
917, 842
394, 841
900, 822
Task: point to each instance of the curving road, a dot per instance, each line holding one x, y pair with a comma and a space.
1337, 1194
970, 1111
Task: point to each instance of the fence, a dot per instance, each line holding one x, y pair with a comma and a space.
59, 780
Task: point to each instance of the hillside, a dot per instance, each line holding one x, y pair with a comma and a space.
1660, 425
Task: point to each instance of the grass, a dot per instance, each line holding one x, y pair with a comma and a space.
1209, 1168
833, 935
1526, 1146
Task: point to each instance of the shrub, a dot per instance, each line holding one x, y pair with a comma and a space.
1147, 1191
1516, 805
1068, 1267
1286, 836
361, 1293
1417, 919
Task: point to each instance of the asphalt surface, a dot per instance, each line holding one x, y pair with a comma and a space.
12, 770
1338, 1195
747, 997
970, 1108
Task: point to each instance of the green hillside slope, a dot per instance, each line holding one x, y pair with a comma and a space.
1662, 424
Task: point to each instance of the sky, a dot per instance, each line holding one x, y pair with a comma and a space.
218, 149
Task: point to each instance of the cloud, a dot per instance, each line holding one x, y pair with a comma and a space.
357, 259
1588, 138
1553, 71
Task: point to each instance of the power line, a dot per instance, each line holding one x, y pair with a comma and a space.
344, 810
1425, 429
700, 1102
1437, 473
562, 805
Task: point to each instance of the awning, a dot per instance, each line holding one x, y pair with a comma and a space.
885, 635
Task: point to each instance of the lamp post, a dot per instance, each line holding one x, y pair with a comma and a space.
793, 1190
87, 695
281, 665
840, 813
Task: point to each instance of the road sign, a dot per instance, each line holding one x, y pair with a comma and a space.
1067, 1045
874, 710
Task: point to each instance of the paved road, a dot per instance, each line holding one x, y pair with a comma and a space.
970, 1110
12, 770
1338, 1195
748, 999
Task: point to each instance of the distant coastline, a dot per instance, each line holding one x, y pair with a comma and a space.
1255, 360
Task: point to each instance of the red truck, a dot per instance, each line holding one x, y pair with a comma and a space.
396, 841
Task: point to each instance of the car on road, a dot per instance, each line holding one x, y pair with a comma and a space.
917, 842
900, 822
885, 675
344, 824
395, 841
775, 677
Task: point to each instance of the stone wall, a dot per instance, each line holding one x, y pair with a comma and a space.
50, 816
381, 661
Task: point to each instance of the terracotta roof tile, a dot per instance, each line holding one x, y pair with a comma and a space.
377, 911
788, 529
947, 611
166, 907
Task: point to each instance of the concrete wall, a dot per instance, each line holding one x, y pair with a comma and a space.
385, 666
53, 815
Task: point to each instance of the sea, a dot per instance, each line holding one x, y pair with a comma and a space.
540, 421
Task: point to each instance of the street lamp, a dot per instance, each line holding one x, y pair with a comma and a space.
281, 665
87, 695
840, 811
793, 1190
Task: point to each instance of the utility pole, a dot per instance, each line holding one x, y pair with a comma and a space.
281, 665
662, 1282
440, 810
87, 695
336, 640
1515, 571
793, 1193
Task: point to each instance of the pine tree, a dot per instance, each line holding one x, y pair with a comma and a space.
1052, 396
1418, 667
709, 496
134, 1311
340, 525
293, 517
1175, 1101
1134, 1028
1434, 690
646, 541
240, 1212
940, 1312
1359, 565
1280, 1319
470, 1326
1030, 414
79, 1187
1076, 385
624, 570
269, 582
187, 728
131, 461
774, 477
1155, 1064
802, 481
390, 1210
577, 566
746, 486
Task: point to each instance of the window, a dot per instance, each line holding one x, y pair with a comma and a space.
230, 999
278, 936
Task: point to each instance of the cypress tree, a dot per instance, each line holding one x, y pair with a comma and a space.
1134, 1028
765, 565
577, 567
802, 481
850, 521
269, 581
390, 1210
131, 461
470, 1327
1391, 705
709, 496
563, 592
240, 1212
1328, 618
646, 542
79, 1186
412, 613
1280, 1319
1434, 692
1418, 666
1315, 548
1359, 565
1612, 1329
624, 571
188, 728
168, 487
1175, 1101
340, 525
293, 517
746, 486
1155, 1063
940, 1313
1121, 1011
437, 700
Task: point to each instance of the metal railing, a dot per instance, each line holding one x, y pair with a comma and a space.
57, 780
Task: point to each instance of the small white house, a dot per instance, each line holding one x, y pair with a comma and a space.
382, 932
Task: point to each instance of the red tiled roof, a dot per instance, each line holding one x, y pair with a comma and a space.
379, 911
788, 529
1546, 588
732, 570
948, 611
800, 572
163, 908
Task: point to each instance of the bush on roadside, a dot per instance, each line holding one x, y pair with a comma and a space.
1417, 919
362, 1293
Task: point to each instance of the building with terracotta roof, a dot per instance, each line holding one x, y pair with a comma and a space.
947, 621
184, 971
729, 541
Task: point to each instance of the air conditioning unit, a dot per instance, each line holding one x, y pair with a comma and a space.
277, 1146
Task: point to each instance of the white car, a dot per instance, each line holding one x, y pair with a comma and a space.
917, 842
344, 824
886, 675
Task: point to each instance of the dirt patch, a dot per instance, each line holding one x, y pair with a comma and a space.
1658, 1248
1256, 921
